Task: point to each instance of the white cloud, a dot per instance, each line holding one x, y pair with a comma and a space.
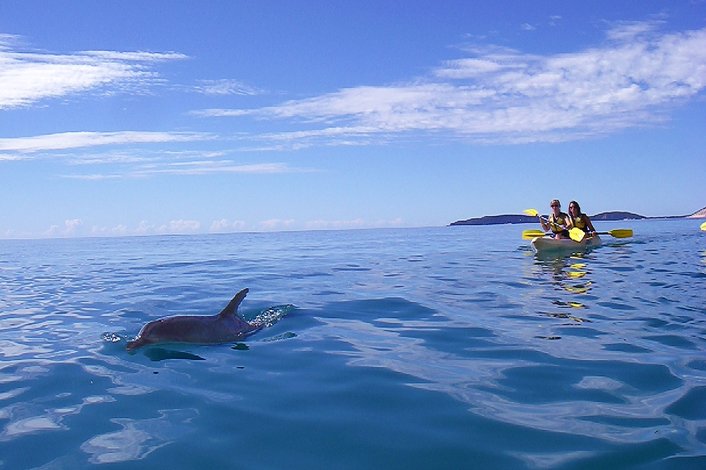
94, 176
507, 96
225, 225
29, 77
189, 168
74, 140
207, 167
68, 229
7, 157
80, 159
271, 225
136, 56
470, 68
216, 112
7, 40
629, 30
226, 87
137, 161
173, 227
326, 132
180, 226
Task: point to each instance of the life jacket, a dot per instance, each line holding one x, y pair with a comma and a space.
579, 222
557, 223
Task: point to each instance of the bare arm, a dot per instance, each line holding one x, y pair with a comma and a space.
545, 225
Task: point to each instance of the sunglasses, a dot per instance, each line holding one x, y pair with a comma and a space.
555, 205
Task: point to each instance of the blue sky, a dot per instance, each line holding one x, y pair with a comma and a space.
137, 118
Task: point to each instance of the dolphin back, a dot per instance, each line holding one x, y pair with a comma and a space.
232, 306
201, 329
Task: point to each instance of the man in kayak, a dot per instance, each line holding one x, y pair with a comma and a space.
558, 221
578, 219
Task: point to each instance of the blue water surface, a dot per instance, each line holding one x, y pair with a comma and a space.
451, 347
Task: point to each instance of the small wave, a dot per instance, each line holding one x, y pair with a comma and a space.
272, 315
112, 337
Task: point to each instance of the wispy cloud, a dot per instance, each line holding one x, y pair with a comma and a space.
631, 30
28, 77
186, 168
75, 140
146, 57
226, 87
79, 150
500, 95
203, 168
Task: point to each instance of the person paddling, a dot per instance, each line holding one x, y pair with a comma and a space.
558, 221
579, 220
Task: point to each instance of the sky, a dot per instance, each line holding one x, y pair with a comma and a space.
128, 117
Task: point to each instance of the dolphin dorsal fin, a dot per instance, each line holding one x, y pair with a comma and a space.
232, 306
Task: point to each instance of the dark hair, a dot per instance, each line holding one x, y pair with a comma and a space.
575, 204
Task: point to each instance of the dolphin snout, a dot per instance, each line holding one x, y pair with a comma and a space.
135, 343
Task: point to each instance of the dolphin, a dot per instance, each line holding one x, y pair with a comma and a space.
225, 327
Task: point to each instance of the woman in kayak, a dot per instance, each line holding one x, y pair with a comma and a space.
558, 221
578, 219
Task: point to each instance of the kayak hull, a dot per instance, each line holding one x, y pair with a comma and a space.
548, 244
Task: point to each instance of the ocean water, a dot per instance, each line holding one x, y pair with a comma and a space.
450, 347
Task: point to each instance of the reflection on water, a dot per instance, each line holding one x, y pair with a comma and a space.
136, 439
162, 354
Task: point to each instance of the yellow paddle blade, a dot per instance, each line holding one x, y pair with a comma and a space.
531, 212
703, 226
577, 234
530, 234
620, 233
579, 289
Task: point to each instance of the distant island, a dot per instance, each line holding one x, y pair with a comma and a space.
526, 219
